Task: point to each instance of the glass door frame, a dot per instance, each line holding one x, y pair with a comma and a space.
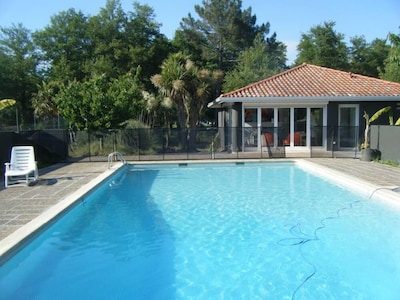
354, 124
255, 126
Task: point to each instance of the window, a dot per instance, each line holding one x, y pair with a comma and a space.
284, 123
250, 115
348, 125
250, 132
316, 126
300, 127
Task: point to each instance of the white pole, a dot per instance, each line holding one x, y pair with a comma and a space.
16, 117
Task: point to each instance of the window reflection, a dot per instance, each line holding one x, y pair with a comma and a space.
250, 130
284, 123
316, 120
300, 127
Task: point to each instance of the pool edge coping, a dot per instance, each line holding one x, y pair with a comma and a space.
352, 183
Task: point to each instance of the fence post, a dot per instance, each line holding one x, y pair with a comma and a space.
138, 133
90, 154
187, 143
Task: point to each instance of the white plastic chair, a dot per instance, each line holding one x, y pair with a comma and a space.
22, 166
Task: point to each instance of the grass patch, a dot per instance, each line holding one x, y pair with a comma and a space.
389, 163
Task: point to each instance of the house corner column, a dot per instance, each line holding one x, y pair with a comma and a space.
221, 127
234, 126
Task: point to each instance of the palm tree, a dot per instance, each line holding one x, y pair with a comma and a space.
171, 83
43, 100
188, 87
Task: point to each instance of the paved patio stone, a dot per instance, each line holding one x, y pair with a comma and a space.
19, 205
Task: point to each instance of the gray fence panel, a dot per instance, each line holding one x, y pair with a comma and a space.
386, 139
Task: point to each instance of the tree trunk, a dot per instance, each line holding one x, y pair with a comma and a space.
194, 118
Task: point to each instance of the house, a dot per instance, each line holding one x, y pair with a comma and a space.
304, 107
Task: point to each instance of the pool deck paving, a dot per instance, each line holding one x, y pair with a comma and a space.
21, 205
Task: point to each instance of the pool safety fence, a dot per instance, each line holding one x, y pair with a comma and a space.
152, 144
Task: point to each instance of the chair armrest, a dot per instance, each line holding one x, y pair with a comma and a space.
7, 165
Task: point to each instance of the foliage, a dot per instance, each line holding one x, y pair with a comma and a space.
43, 100
4, 112
367, 58
159, 111
187, 86
395, 50
189, 40
389, 163
98, 52
262, 60
147, 46
76, 52
374, 117
223, 31
6, 103
75, 46
392, 62
19, 63
392, 72
323, 46
101, 102
65, 46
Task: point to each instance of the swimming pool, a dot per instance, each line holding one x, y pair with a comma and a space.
213, 231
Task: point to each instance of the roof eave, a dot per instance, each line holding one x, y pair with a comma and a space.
303, 100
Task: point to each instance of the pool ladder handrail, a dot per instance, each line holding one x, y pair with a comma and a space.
118, 155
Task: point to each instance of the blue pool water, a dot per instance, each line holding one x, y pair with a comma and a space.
215, 231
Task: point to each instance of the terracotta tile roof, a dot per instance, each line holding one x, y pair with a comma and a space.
313, 81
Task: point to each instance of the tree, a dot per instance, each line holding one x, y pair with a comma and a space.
100, 102
19, 67
147, 46
158, 111
367, 58
83, 53
110, 43
189, 89
262, 60
113, 42
5, 112
65, 46
395, 49
223, 31
6, 78
392, 62
43, 101
123, 41
190, 40
323, 46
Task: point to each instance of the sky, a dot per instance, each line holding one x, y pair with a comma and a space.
288, 18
